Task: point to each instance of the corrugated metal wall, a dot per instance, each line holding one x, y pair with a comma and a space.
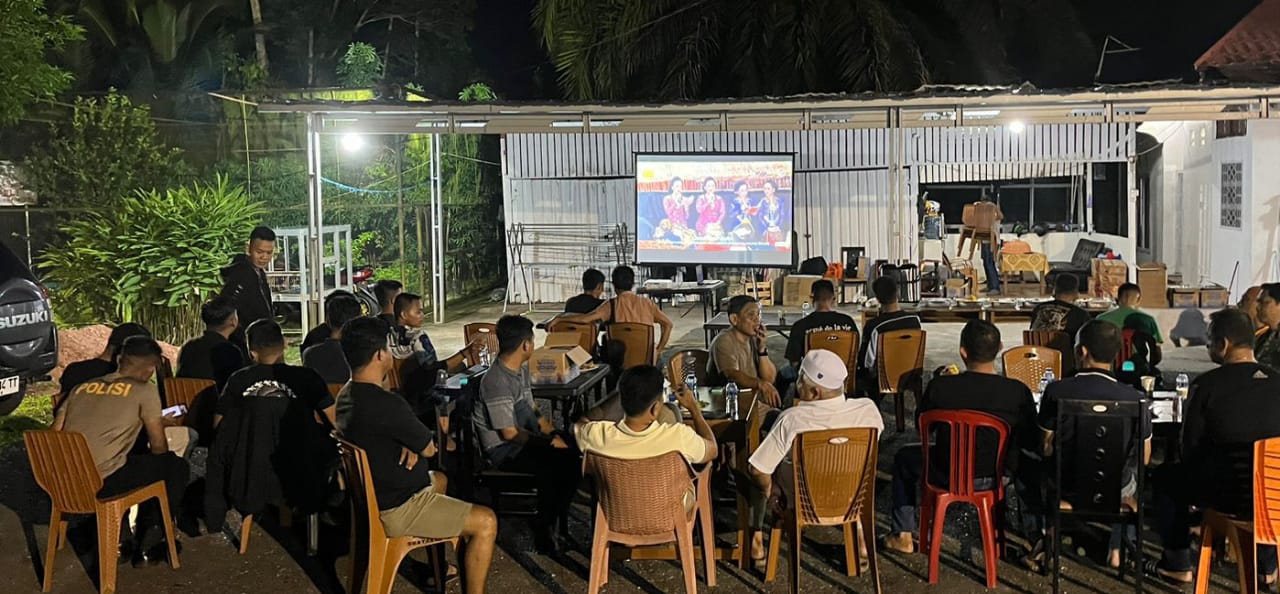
843, 177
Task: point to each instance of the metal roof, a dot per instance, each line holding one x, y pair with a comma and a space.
929, 106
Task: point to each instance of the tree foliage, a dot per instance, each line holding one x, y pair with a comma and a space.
360, 66
27, 33
153, 259
106, 150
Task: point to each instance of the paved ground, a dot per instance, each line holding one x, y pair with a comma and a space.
275, 561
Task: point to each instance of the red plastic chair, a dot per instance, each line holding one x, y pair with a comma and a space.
964, 426
1126, 347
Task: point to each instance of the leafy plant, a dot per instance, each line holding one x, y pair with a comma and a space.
360, 66
152, 259
369, 246
106, 150
28, 33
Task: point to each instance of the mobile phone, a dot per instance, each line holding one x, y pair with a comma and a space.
177, 410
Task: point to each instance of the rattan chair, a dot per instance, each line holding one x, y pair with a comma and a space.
587, 332
480, 331
688, 361
900, 366
835, 478
844, 343
64, 468
640, 503
1027, 364
334, 389
637, 341
384, 553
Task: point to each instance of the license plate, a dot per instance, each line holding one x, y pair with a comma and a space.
10, 385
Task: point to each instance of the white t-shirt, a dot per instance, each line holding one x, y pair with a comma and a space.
616, 440
813, 415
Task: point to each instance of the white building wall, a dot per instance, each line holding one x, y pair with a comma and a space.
1263, 201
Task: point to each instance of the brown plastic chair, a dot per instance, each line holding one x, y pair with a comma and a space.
482, 331
685, 362
641, 503
900, 365
756, 411
637, 340
844, 343
184, 390
64, 468
1027, 364
334, 389
835, 477
586, 332
394, 380
1046, 338
384, 553
966, 229
1244, 536
984, 225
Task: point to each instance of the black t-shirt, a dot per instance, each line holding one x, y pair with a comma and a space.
1227, 410
582, 303
298, 383
82, 371
1090, 384
389, 318
1059, 315
382, 423
885, 322
819, 321
996, 395
315, 336
210, 357
329, 361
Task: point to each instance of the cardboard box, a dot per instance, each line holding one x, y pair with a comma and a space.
795, 288
559, 361
1184, 297
1153, 279
1107, 277
1213, 296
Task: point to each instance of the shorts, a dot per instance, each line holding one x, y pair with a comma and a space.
426, 515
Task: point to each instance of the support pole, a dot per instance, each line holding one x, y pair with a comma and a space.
1088, 197
1131, 204
315, 220
437, 233
400, 203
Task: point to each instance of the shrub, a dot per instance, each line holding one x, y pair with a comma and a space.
360, 66
153, 259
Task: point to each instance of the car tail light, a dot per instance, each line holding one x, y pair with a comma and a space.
43, 291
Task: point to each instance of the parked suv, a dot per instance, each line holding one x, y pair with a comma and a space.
28, 338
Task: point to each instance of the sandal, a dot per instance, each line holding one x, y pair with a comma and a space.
1172, 576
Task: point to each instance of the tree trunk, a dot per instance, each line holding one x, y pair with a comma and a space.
259, 36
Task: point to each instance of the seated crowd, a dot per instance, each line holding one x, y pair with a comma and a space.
271, 443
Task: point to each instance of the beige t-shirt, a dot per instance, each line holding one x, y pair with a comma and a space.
730, 354
617, 440
110, 411
632, 309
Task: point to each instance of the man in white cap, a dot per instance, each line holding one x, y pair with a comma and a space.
820, 404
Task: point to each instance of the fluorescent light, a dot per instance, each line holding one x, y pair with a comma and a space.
935, 116
831, 118
566, 124
981, 114
472, 124
1017, 127
605, 123
703, 122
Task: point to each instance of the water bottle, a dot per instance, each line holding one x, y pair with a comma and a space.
806, 309
485, 356
442, 377
691, 382
1045, 380
731, 400
1182, 385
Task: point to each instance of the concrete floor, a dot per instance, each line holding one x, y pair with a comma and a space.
276, 562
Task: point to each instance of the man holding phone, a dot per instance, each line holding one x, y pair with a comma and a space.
111, 412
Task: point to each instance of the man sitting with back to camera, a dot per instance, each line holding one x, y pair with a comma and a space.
820, 404
823, 319
82, 371
269, 447
516, 438
890, 318
1097, 345
320, 332
411, 499
212, 355
589, 299
738, 354
628, 308
386, 291
111, 412
643, 434
326, 358
979, 388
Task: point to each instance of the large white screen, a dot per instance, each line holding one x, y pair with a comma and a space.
733, 209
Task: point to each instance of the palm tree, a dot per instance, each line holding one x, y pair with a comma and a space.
684, 49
